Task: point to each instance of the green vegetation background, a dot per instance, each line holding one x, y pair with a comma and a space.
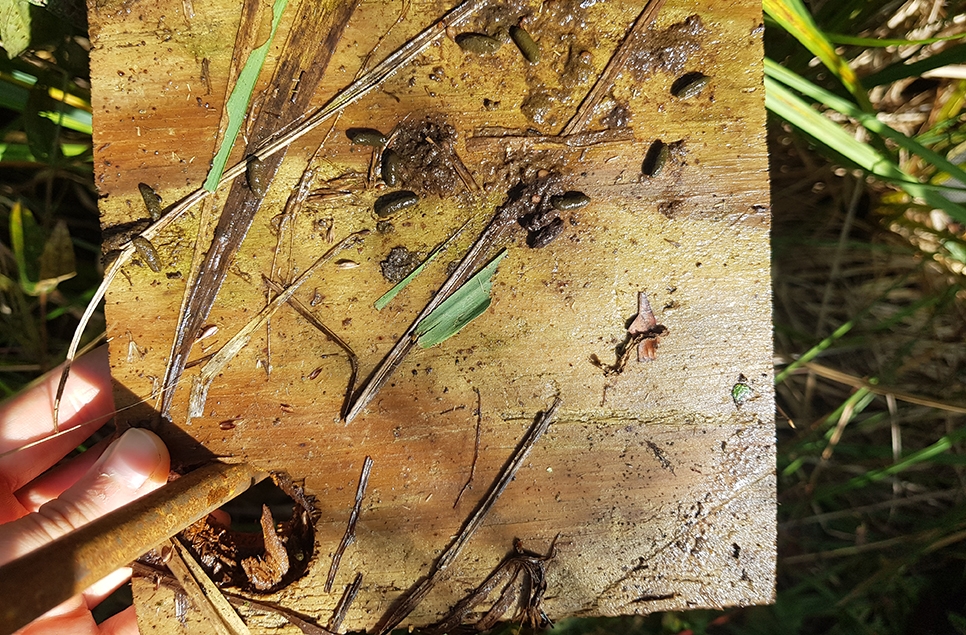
867, 137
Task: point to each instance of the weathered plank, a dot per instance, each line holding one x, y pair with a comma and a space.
660, 486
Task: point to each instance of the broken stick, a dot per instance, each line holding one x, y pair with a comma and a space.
405, 605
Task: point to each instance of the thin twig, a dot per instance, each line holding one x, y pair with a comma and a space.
350, 531
476, 448
505, 575
405, 605
300, 622
307, 313
203, 592
857, 382
348, 596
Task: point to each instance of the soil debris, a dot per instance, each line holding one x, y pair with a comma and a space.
667, 51
426, 156
257, 562
398, 263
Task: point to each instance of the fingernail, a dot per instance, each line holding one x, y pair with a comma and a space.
132, 458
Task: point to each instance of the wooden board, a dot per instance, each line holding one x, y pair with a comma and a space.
658, 485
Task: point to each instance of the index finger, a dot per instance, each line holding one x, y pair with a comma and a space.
28, 417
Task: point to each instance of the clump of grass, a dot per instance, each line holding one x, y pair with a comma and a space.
47, 197
868, 246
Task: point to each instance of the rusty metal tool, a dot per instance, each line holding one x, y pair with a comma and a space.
40, 580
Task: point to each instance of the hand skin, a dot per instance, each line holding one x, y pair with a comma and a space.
38, 506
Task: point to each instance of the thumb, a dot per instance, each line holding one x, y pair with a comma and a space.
135, 464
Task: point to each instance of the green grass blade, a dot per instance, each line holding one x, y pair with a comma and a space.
912, 460
849, 40
237, 105
869, 122
387, 297
856, 402
20, 153
466, 304
800, 114
814, 352
797, 21
901, 70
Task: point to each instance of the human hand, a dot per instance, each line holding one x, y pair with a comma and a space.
38, 507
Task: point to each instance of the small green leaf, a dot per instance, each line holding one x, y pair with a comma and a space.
241, 95
57, 261
14, 26
466, 304
27, 241
740, 393
42, 133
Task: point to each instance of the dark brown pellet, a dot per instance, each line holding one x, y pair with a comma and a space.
389, 204
391, 165
526, 44
366, 137
147, 252
256, 173
689, 85
656, 158
569, 200
151, 200
478, 43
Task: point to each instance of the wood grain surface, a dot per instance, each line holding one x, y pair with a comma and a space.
657, 484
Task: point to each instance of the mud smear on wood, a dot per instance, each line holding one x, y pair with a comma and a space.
632, 43
667, 51
398, 264
306, 56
